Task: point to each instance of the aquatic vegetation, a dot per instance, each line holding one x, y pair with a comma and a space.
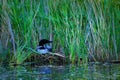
80, 30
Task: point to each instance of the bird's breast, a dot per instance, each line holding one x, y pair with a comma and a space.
42, 51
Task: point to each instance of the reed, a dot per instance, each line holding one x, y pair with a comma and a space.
101, 29
82, 29
68, 28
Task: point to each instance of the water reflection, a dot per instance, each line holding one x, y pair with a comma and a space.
104, 71
91, 71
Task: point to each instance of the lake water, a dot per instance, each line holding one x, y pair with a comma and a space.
91, 71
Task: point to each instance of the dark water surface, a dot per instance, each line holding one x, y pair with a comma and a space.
90, 71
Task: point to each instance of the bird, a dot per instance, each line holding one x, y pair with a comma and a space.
43, 47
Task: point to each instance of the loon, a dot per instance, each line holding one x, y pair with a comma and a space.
43, 47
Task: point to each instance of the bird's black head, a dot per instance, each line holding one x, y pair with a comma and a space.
44, 41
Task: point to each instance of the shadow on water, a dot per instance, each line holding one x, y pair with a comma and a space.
92, 71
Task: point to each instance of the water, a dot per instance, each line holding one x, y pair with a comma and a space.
90, 71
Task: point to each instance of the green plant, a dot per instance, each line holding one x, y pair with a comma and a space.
81, 28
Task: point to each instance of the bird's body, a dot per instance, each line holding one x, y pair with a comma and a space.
43, 47
42, 51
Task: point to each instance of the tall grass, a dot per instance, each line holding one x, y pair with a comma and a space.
100, 15
68, 28
83, 29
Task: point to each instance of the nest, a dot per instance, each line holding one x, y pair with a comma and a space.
46, 59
